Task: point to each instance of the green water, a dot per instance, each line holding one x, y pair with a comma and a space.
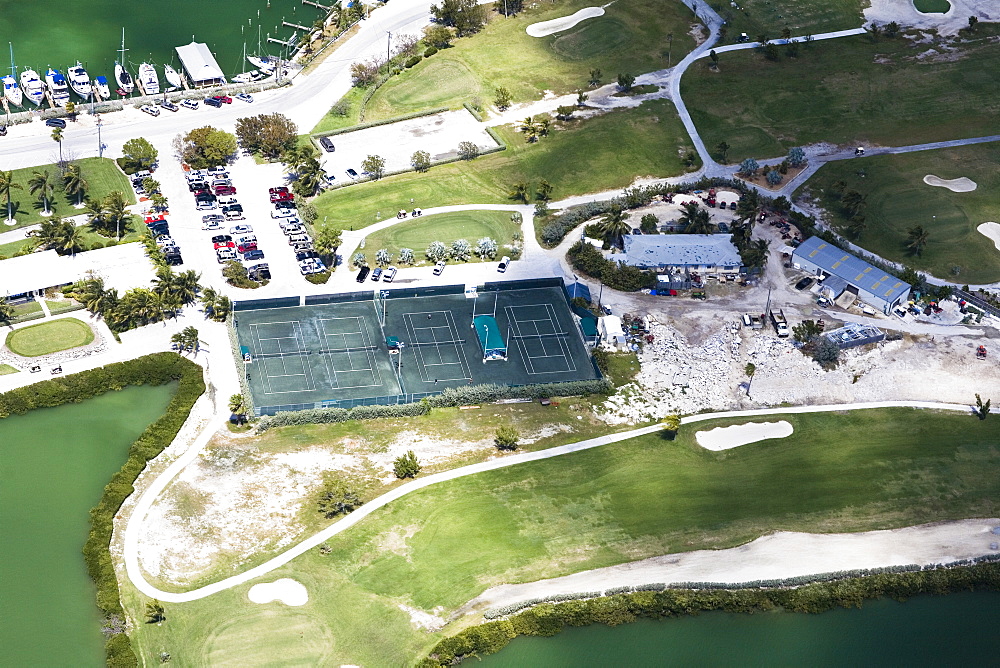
58, 33
953, 630
54, 463
932, 6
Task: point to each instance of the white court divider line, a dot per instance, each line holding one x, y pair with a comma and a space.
145, 502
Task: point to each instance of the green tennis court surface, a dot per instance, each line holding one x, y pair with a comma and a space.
336, 354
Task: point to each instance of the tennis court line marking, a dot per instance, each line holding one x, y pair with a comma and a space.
362, 332
296, 328
462, 363
553, 321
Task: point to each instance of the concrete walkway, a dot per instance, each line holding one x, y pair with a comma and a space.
149, 496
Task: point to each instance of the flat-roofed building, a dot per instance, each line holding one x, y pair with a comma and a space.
681, 253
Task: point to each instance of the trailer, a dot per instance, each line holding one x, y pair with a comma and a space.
753, 321
780, 323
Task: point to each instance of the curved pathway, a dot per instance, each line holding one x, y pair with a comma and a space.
159, 484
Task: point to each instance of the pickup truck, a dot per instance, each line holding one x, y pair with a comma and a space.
780, 323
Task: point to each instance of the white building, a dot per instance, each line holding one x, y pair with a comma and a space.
610, 329
122, 267
680, 253
200, 65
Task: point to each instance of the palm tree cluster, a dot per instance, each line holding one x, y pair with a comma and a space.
533, 128
695, 219
138, 306
59, 235
73, 182
217, 307
108, 216
187, 340
303, 163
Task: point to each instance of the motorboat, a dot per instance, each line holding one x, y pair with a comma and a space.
125, 82
32, 87
101, 88
12, 91
265, 64
249, 77
57, 86
79, 81
148, 81
172, 77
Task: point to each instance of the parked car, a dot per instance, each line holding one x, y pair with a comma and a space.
439, 267
260, 272
225, 254
150, 109
55, 123
228, 200
388, 275
159, 229
253, 254
3, 130
241, 229
224, 190
277, 190
504, 263
247, 247
169, 106
243, 97
299, 238
189, 104
327, 144
173, 258
164, 240
353, 174
282, 212
212, 225
247, 239
282, 197
219, 238
363, 274
224, 244
233, 212
294, 229
197, 186
213, 102
376, 273
219, 172
285, 223
205, 204
224, 99
302, 246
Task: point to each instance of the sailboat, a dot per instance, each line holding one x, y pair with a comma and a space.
57, 86
263, 63
148, 81
125, 83
247, 77
101, 88
11, 90
79, 81
172, 77
32, 86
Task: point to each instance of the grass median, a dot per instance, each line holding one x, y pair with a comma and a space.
417, 235
49, 337
441, 546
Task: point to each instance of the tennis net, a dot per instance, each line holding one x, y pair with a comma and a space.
360, 349
554, 335
294, 353
417, 344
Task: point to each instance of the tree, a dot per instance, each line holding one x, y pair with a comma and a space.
139, 154
337, 499
750, 369
614, 226
806, 331
374, 165
771, 51
796, 156
406, 466
302, 162
544, 191
438, 36
506, 438
565, 112
40, 185
792, 48
857, 225
649, 224
468, 150
581, 98
508, 7
786, 33
973, 22
762, 39
187, 339
695, 219
874, 30
6, 311
206, 147
982, 409
748, 208
916, 239
57, 137
625, 82
501, 99
154, 612
364, 73
773, 177
7, 184
715, 59
467, 17
530, 129
269, 135
436, 251
327, 241
671, 424
854, 202
115, 212
486, 248
383, 257
891, 29
238, 404
520, 192
406, 256
461, 250
421, 161
723, 149
749, 167
825, 352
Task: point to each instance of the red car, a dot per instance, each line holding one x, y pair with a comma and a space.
279, 189
282, 197
224, 99
152, 221
224, 244
224, 190
246, 248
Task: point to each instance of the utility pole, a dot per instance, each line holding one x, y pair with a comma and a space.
100, 144
388, 44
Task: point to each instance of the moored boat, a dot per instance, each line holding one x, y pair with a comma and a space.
12, 91
147, 79
57, 86
32, 87
172, 77
101, 88
79, 81
265, 64
124, 80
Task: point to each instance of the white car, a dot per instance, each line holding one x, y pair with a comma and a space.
285, 223
190, 104
241, 229
219, 171
388, 275
439, 267
504, 263
244, 97
163, 240
212, 225
225, 254
249, 239
150, 109
294, 229
283, 212
299, 239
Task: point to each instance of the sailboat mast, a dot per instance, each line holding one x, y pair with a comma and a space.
13, 71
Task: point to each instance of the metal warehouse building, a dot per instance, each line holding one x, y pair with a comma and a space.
840, 272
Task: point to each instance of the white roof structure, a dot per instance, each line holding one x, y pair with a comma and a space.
122, 267
681, 250
200, 65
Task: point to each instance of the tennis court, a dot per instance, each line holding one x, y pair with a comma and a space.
396, 346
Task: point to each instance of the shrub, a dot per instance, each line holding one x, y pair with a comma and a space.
587, 259
430, 51
506, 438
332, 415
319, 278
406, 466
413, 61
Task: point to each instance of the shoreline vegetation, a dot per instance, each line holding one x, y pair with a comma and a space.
155, 369
547, 619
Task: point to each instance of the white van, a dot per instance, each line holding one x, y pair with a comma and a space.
504, 263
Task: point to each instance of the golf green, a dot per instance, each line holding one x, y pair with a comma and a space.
932, 6
49, 337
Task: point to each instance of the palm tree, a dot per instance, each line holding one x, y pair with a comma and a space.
6, 311
96, 214
70, 239
917, 239
854, 201
7, 184
40, 185
696, 219
57, 137
520, 192
614, 226
748, 208
237, 404
116, 211
74, 183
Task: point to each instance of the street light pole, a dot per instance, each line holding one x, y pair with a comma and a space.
100, 144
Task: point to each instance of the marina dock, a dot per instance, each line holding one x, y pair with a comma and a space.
295, 25
316, 4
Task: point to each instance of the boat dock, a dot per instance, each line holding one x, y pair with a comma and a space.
289, 43
295, 25
316, 4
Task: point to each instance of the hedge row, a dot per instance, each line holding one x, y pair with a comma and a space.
153, 369
586, 259
472, 110
384, 121
548, 619
331, 415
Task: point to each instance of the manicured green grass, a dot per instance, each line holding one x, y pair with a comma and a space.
802, 17
898, 199
600, 153
102, 176
334, 122
50, 337
630, 38
6, 369
844, 91
441, 546
444, 227
62, 305
90, 238
932, 6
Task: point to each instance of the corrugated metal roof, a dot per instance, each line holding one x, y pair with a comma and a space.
852, 269
658, 250
199, 63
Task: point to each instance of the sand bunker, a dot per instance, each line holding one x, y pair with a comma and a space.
723, 438
991, 231
543, 28
285, 590
959, 185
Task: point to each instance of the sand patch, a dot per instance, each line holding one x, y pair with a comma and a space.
991, 231
724, 438
959, 185
285, 590
552, 26
949, 23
